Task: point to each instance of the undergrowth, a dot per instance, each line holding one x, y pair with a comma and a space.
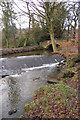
55, 101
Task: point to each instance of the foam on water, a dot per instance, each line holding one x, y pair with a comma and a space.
40, 67
16, 75
62, 61
2, 59
29, 56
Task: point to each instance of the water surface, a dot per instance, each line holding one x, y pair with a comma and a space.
26, 73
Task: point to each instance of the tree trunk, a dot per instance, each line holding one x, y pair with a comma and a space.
14, 39
7, 41
74, 34
7, 44
51, 31
53, 42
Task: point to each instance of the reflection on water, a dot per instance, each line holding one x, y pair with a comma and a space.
38, 52
14, 91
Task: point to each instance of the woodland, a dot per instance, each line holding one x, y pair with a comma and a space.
59, 23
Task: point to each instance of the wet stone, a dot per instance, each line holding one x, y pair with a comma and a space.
52, 81
5, 75
12, 111
36, 79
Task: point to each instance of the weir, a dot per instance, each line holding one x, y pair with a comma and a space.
16, 65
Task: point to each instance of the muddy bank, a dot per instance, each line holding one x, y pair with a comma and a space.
6, 51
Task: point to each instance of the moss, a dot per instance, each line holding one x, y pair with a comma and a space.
27, 107
21, 116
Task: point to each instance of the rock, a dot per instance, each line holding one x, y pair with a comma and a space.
5, 75
52, 81
36, 79
12, 111
36, 118
57, 45
58, 69
77, 61
58, 66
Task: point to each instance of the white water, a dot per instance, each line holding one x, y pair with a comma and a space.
40, 67
2, 59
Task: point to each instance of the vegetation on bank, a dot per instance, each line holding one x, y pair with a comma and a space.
59, 100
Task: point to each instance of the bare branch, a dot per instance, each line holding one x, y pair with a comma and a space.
21, 9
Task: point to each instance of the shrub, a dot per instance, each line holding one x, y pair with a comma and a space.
79, 67
76, 58
67, 73
71, 64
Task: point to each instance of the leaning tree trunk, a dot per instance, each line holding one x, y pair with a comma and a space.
53, 42
52, 38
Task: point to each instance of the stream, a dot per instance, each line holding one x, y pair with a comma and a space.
21, 75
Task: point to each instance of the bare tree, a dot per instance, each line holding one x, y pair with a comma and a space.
49, 11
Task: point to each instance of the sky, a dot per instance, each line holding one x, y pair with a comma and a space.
21, 18
24, 19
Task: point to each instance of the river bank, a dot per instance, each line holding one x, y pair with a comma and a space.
7, 51
59, 100
56, 100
